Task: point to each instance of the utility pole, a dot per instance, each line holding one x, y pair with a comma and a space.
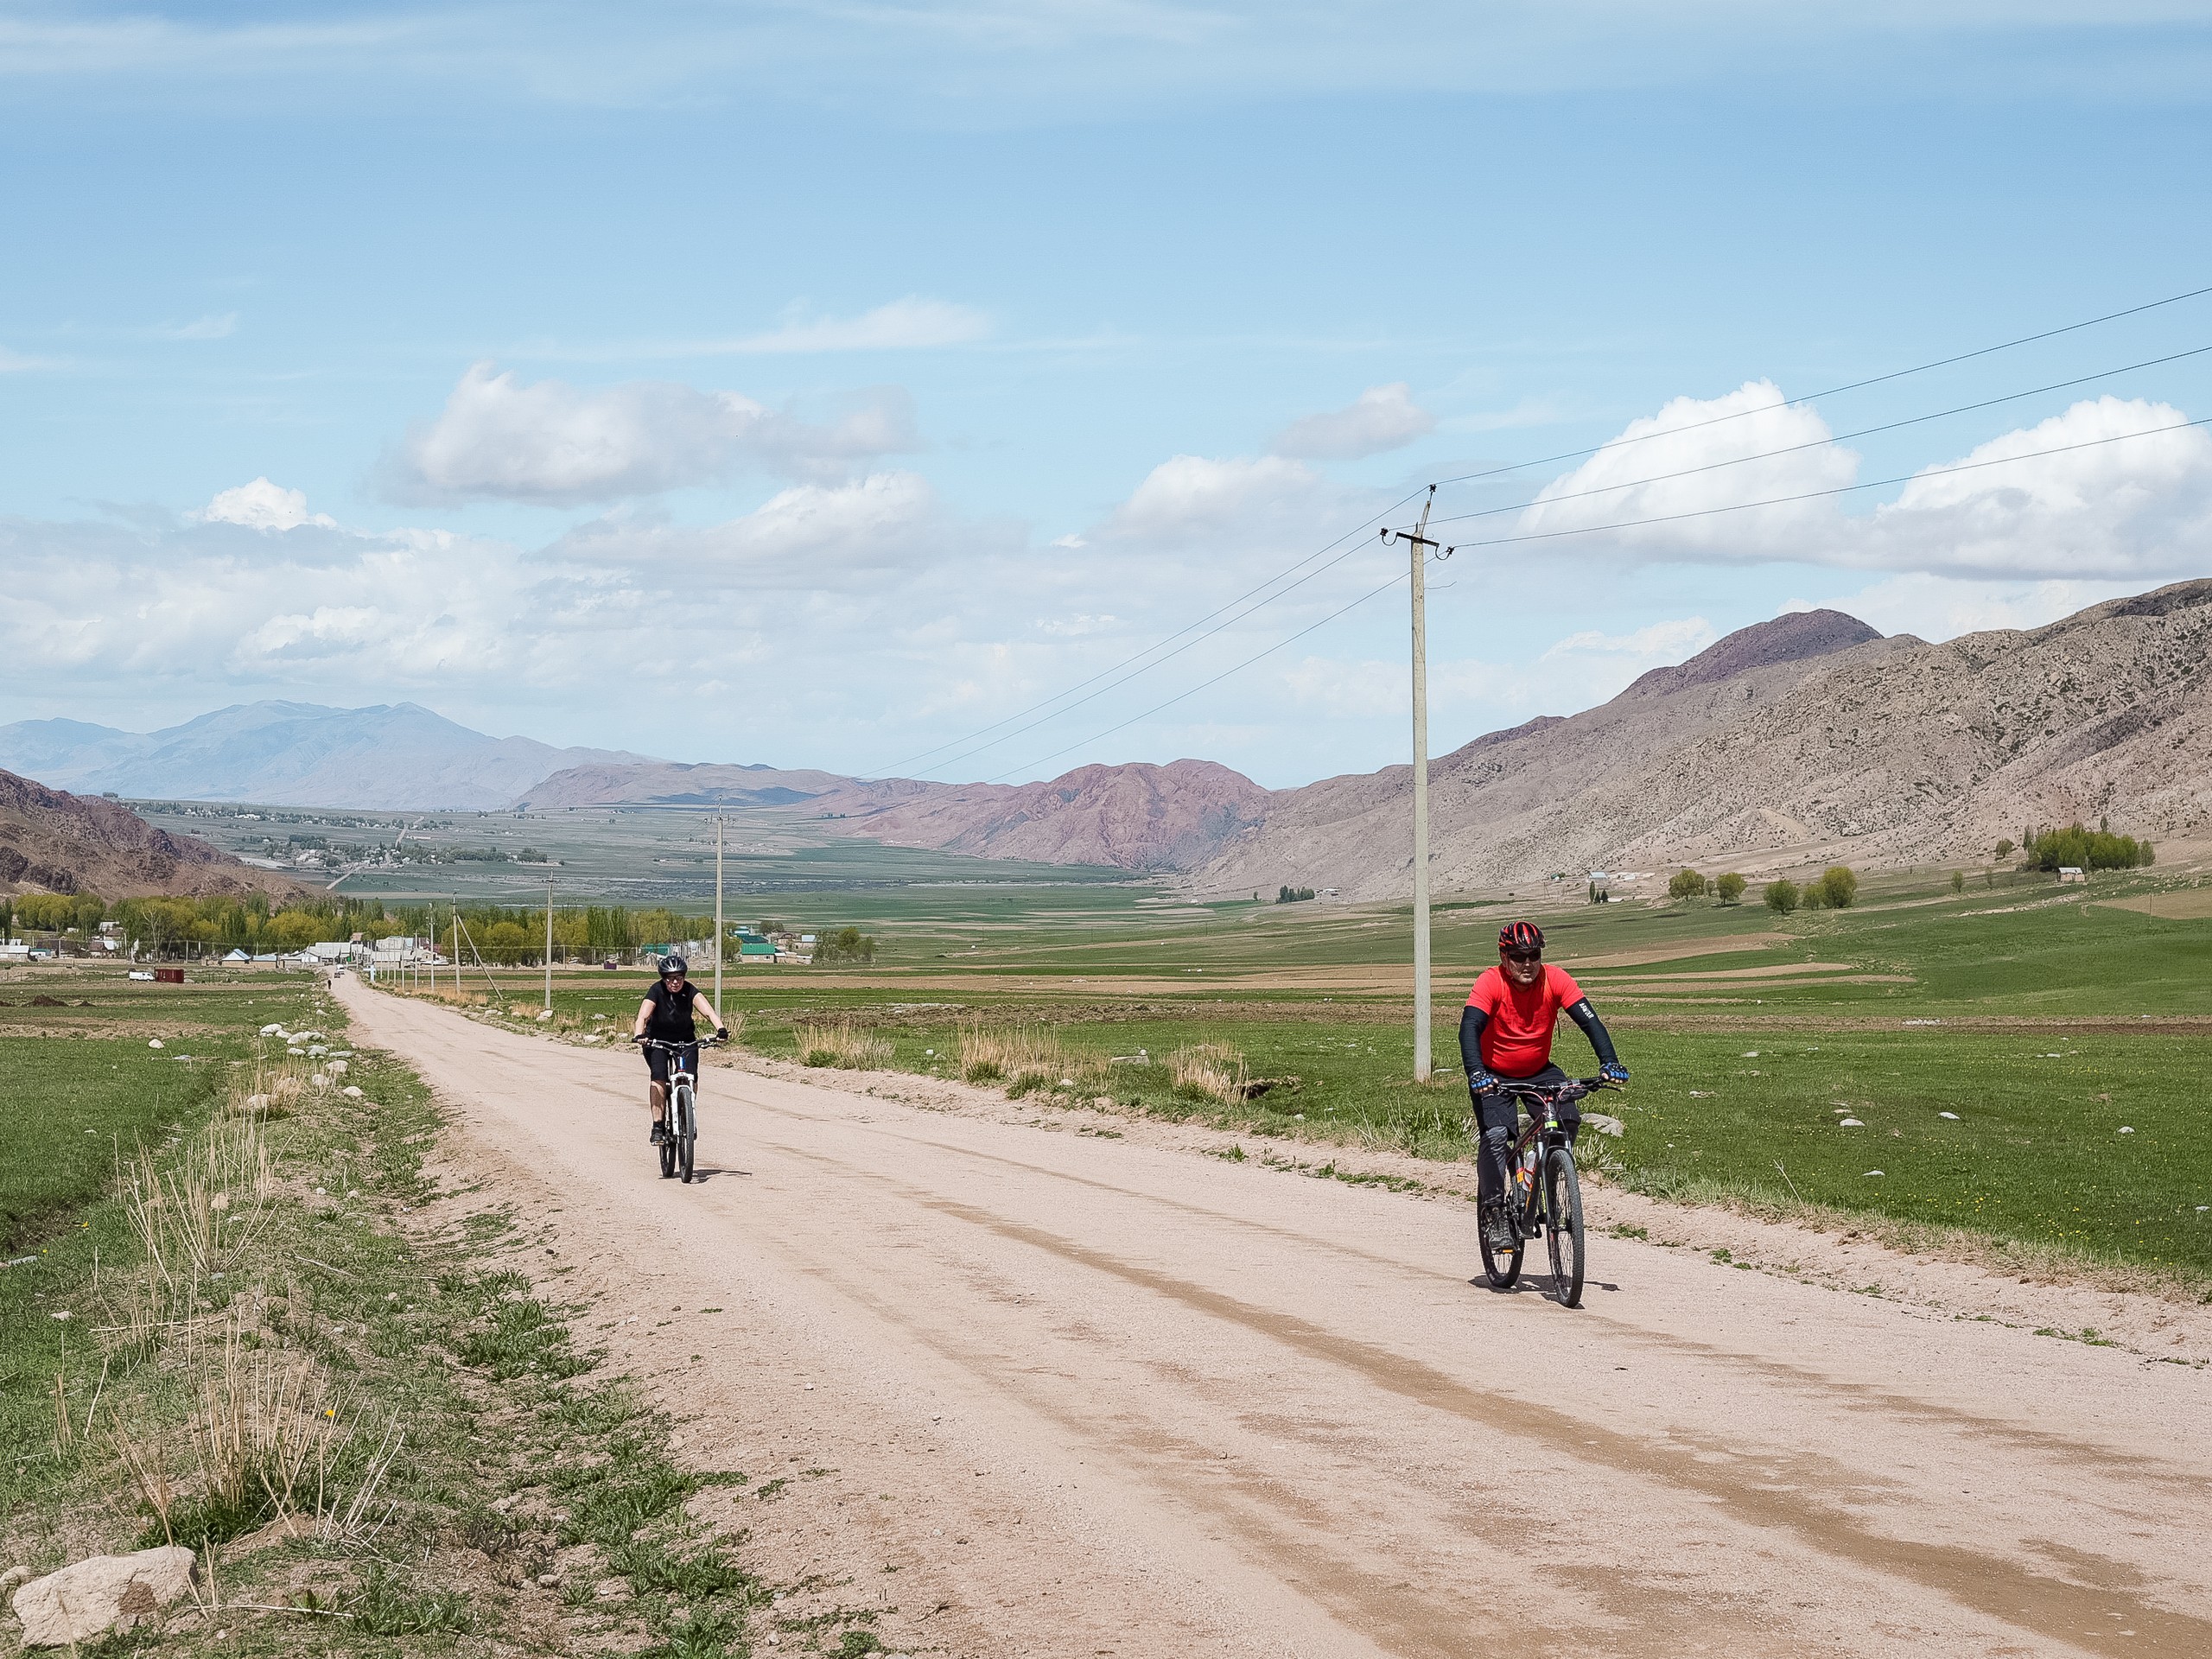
718, 913
1419, 542
548, 944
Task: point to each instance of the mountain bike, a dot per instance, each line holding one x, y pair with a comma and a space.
1543, 1195
682, 1108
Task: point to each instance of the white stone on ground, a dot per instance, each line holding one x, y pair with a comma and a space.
103, 1593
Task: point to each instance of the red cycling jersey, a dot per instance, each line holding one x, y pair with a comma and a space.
1518, 1040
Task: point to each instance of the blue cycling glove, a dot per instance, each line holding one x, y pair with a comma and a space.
1613, 1071
1480, 1083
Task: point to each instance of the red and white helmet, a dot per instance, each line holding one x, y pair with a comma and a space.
1518, 937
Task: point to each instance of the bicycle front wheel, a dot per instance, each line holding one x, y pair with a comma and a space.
1501, 1268
687, 1129
1563, 1225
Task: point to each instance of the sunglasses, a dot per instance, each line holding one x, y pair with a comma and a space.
1524, 957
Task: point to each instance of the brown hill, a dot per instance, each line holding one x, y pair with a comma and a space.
668, 783
54, 841
1798, 738
1136, 816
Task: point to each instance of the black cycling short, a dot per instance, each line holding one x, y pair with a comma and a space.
656, 1060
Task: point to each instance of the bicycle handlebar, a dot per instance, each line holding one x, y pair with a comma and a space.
662, 1042
1557, 1093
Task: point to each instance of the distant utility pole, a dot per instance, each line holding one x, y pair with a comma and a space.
1419, 542
718, 913
548, 944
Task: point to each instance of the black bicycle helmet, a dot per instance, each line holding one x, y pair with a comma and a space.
674, 965
1520, 936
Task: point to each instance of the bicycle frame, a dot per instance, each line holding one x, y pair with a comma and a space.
1524, 1195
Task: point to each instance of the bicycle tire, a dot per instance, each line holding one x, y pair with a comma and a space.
1501, 1268
667, 1147
687, 1119
1563, 1225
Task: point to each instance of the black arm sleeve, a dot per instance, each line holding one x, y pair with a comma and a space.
1472, 1021
1594, 1029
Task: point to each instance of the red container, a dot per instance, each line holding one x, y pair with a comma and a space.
168, 976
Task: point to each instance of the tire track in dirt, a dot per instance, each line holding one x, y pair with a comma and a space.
1213, 1411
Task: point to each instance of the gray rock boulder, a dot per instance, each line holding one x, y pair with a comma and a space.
103, 1593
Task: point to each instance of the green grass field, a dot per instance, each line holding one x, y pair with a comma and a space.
1746, 1032
80, 1082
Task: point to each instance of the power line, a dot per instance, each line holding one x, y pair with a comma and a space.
1840, 489
1816, 443
1674, 517
1137, 657
1832, 392
1687, 472
1136, 661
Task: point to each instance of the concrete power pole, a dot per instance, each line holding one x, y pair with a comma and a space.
718, 913
548, 944
1419, 542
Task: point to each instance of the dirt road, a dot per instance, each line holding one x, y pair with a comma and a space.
1038, 1393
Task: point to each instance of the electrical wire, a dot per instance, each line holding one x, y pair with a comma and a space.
1674, 517
1687, 472
1047, 702
1816, 443
1137, 664
1832, 392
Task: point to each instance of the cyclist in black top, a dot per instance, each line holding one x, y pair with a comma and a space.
666, 1015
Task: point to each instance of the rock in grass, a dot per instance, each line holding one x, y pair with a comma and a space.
103, 1593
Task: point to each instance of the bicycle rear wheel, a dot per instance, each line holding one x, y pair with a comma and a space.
687, 1129
1563, 1225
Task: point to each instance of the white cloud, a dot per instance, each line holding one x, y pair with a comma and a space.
810, 537
261, 505
1696, 455
17, 363
2120, 499
913, 324
1661, 642
1380, 418
2110, 489
499, 438
1193, 495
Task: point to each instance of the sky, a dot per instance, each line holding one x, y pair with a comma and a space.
978, 390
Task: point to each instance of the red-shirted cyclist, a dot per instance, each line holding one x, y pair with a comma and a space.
1505, 1036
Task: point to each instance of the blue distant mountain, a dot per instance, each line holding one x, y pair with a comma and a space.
396, 757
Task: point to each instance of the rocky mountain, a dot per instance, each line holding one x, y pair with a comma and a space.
1136, 816
1800, 739
52, 841
393, 757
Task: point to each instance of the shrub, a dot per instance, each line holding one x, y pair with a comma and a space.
1730, 887
1782, 896
1687, 884
1958, 881
2004, 847
1292, 895
1839, 885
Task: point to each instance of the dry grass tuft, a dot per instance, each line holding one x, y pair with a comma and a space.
1211, 1072
843, 1042
1022, 1058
